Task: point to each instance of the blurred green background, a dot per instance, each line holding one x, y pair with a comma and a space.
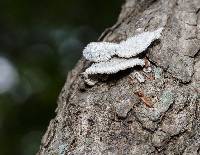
40, 41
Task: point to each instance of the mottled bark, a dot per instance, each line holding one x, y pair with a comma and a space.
110, 117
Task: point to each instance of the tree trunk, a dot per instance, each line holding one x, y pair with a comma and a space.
111, 117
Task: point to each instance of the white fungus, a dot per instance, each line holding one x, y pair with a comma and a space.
100, 51
103, 51
137, 44
113, 65
110, 58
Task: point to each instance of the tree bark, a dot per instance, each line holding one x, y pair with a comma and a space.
110, 117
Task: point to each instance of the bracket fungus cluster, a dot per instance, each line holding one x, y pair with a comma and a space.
109, 58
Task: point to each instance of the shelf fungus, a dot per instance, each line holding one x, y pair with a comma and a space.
109, 58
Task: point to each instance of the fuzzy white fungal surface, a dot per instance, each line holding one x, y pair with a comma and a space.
113, 65
137, 44
100, 51
110, 58
103, 51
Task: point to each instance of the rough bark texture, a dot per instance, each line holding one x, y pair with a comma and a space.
110, 117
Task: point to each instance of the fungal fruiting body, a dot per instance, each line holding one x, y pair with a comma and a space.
137, 44
113, 65
110, 58
100, 51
